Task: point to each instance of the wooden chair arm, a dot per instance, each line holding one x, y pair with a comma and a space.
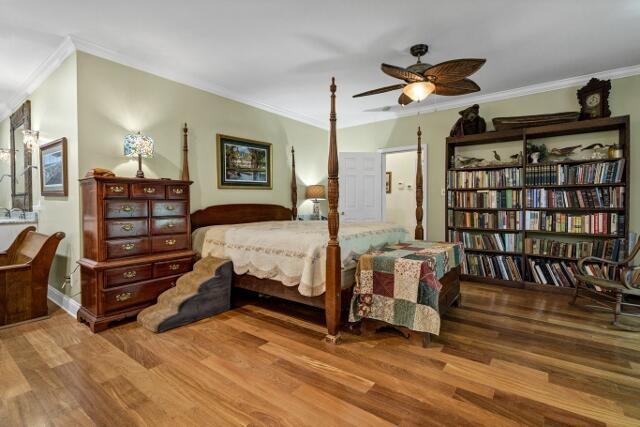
14, 267
581, 262
624, 274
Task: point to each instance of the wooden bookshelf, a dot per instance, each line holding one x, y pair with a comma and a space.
523, 136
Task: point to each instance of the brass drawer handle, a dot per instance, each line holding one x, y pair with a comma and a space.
174, 267
127, 227
127, 208
149, 190
178, 191
129, 274
128, 246
170, 224
170, 242
123, 296
170, 207
117, 189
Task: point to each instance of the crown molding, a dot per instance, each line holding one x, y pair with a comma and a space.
616, 73
188, 80
37, 77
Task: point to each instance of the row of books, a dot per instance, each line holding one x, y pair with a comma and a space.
503, 220
557, 273
596, 223
611, 197
606, 172
613, 249
505, 242
486, 199
507, 177
494, 266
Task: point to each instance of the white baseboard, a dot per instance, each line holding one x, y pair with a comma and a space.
68, 304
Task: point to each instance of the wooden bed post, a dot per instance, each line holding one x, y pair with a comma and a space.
419, 235
185, 154
294, 186
332, 304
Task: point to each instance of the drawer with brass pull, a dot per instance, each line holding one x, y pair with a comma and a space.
115, 209
166, 268
113, 191
168, 208
147, 191
127, 247
180, 192
125, 228
140, 293
120, 276
173, 242
168, 225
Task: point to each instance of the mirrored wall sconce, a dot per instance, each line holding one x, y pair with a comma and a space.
30, 138
138, 145
5, 154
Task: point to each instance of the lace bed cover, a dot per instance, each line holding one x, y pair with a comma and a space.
292, 252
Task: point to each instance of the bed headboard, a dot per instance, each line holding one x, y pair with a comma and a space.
238, 214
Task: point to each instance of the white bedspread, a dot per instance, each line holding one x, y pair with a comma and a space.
291, 252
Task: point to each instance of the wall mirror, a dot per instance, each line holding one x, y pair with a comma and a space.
21, 196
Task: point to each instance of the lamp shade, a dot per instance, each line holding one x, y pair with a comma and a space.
138, 145
419, 91
315, 192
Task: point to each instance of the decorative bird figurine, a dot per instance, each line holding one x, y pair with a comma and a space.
496, 155
468, 161
565, 151
592, 146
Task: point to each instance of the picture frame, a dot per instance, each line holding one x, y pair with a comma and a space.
387, 182
54, 179
243, 163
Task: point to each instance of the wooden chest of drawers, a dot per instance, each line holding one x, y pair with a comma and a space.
136, 243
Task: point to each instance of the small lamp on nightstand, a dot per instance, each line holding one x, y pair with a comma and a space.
316, 193
138, 145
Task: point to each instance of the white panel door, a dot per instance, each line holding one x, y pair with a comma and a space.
360, 186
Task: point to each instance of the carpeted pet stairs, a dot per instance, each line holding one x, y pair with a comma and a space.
201, 293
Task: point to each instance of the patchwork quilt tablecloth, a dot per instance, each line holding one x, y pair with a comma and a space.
399, 284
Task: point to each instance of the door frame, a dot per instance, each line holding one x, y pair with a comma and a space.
425, 180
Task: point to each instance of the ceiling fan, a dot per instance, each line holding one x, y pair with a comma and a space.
448, 78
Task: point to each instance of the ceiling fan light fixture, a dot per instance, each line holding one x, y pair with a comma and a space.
419, 91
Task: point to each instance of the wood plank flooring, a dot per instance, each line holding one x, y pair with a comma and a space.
507, 357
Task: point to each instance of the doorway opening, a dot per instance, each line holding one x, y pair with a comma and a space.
399, 187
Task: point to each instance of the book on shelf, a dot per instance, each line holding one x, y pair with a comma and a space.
503, 220
493, 199
612, 249
553, 272
504, 242
507, 177
602, 172
610, 197
493, 266
595, 223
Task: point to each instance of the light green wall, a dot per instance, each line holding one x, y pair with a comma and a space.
5, 166
115, 100
624, 99
54, 114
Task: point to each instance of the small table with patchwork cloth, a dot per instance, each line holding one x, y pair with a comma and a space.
407, 286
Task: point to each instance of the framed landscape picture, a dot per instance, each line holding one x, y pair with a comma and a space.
243, 163
53, 168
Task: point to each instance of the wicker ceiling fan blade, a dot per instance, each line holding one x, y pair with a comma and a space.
404, 100
460, 87
380, 90
401, 73
456, 69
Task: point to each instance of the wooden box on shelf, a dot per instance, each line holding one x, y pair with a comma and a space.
522, 136
136, 243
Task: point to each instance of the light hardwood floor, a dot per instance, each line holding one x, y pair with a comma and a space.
506, 357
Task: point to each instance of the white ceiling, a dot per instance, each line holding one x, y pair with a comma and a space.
280, 54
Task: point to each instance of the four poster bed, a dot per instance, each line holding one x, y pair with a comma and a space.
315, 270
